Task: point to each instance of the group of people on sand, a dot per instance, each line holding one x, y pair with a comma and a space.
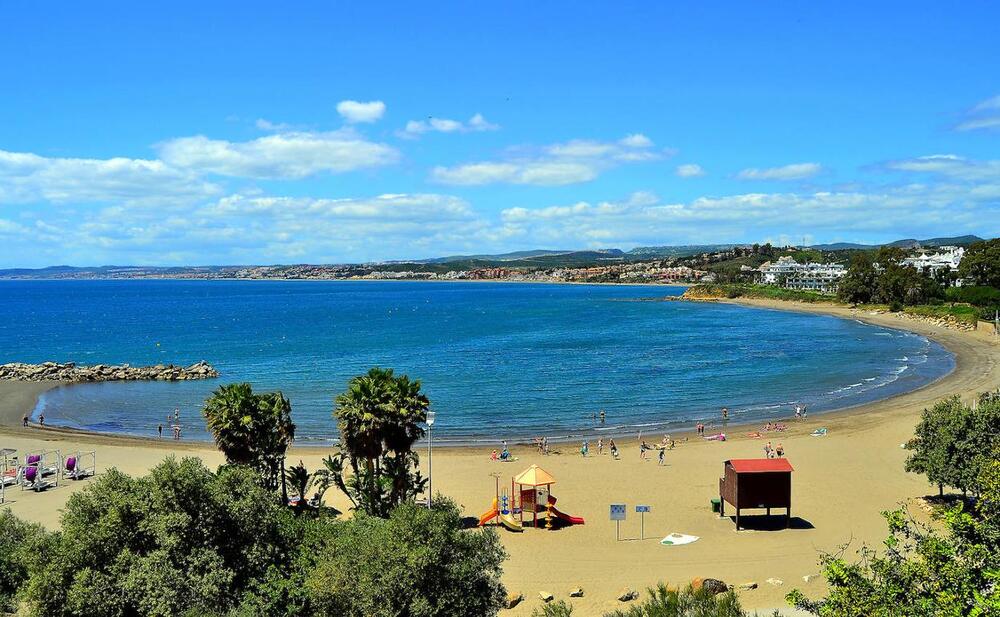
774, 452
612, 448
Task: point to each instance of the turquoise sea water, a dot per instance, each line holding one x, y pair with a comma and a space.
497, 360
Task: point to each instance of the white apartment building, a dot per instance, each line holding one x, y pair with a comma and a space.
934, 261
788, 273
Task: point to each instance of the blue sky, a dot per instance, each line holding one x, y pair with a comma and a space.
228, 133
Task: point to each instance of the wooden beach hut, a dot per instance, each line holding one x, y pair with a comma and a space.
533, 490
756, 483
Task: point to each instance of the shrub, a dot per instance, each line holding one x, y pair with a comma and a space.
417, 562
179, 540
20, 541
555, 609
666, 602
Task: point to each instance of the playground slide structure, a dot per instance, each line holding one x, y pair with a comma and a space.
508, 521
489, 515
562, 516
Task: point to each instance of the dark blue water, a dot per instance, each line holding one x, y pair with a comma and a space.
511, 360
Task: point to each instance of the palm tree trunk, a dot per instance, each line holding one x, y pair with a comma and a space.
284, 486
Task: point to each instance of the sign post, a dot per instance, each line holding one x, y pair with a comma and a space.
618, 515
642, 510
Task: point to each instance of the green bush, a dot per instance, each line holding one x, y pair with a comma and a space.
181, 539
417, 563
665, 602
19, 542
559, 608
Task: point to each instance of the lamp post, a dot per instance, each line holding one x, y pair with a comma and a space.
430, 470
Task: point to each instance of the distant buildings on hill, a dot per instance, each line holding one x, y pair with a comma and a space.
937, 262
790, 274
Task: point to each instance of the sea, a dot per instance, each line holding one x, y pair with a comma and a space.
497, 360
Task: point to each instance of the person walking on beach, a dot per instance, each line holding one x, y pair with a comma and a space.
642, 450
613, 448
768, 451
24, 420
663, 452
41, 420
600, 447
159, 431
585, 448
545, 445
725, 415
780, 450
798, 412
177, 432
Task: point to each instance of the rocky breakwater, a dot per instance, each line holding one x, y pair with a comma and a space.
70, 372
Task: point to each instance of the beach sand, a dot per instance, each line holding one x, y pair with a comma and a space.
841, 483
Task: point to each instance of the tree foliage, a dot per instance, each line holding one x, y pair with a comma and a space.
950, 568
981, 263
252, 429
954, 442
180, 539
666, 602
19, 543
415, 563
379, 418
883, 278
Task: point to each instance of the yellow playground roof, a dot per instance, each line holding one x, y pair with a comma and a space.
534, 476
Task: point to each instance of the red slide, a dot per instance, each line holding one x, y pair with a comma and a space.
572, 520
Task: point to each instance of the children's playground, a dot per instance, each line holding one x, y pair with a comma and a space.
528, 503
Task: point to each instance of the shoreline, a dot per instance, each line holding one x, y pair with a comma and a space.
840, 485
16, 400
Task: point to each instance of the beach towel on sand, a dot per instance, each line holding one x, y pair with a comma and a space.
820, 432
675, 539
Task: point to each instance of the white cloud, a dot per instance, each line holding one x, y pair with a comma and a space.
985, 115
575, 161
795, 171
356, 111
266, 125
690, 170
476, 124
976, 124
643, 219
950, 165
27, 178
283, 155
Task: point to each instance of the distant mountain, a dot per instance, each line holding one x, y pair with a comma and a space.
684, 250
908, 243
512, 256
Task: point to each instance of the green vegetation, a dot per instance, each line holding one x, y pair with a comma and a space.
954, 443
417, 562
882, 278
664, 602
763, 292
981, 263
21, 542
252, 429
948, 568
379, 418
186, 541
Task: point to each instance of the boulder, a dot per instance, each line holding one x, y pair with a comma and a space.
714, 586
513, 599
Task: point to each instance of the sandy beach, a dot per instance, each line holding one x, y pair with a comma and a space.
840, 484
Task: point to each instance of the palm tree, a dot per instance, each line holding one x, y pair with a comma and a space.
229, 413
252, 429
379, 418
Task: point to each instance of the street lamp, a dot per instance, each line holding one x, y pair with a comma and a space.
430, 470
